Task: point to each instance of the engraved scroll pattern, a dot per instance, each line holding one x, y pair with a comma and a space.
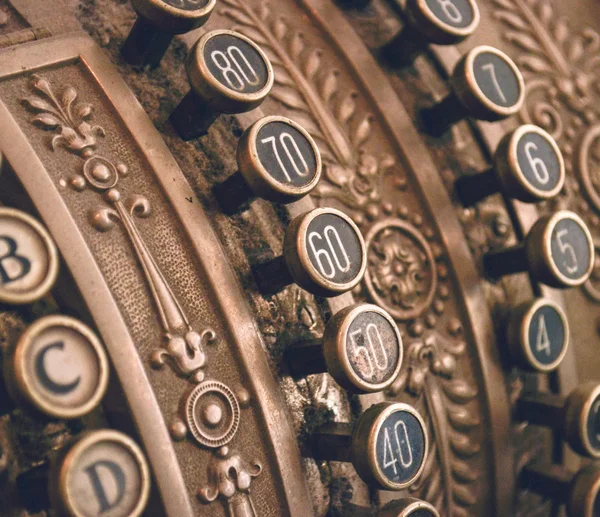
212, 410
404, 274
562, 73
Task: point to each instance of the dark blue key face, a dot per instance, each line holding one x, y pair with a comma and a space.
455, 13
538, 161
497, 79
334, 249
286, 154
547, 335
188, 5
593, 424
236, 64
400, 447
571, 250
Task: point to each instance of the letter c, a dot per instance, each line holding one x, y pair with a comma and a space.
42, 373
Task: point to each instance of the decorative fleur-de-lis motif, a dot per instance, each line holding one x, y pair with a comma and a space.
184, 345
76, 134
230, 477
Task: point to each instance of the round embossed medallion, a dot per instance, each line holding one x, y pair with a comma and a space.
401, 274
213, 414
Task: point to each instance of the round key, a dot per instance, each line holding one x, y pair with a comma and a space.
104, 472
323, 252
580, 491
486, 85
576, 418
158, 21
528, 166
28, 258
538, 335
558, 251
408, 507
361, 349
278, 161
388, 445
58, 368
228, 73
405, 507
441, 22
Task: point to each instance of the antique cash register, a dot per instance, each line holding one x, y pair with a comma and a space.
295, 258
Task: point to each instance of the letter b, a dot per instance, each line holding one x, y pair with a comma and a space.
8, 275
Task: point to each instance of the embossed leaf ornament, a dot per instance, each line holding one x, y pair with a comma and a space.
230, 476
310, 89
562, 72
75, 133
561, 67
445, 402
398, 273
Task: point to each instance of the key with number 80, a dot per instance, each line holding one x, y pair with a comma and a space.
228, 73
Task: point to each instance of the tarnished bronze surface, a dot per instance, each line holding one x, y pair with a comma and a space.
149, 261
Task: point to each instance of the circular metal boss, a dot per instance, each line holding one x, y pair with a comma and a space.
59, 367
279, 160
105, 472
175, 16
488, 84
363, 348
560, 250
213, 414
28, 258
444, 22
325, 252
229, 71
538, 335
530, 165
389, 446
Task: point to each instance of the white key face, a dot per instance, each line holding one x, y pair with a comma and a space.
26, 259
60, 367
64, 366
106, 480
